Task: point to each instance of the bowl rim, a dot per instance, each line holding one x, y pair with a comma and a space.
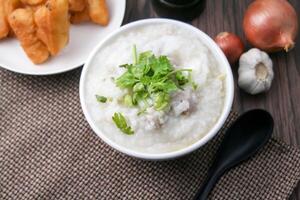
220, 57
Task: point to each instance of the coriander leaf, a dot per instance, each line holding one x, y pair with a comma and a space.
178, 70
146, 59
125, 66
145, 56
161, 67
135, 98
194, 85
127, 80
138, 87
146, 80
139, 96
138, 71
128, 100
161, 101
101, 99
142, 111
151, 79
182, 80
168, 87
121, 123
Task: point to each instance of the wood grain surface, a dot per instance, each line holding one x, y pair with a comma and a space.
283, 100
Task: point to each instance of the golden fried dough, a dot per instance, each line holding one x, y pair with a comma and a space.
22, 23
10, 6
79, 17
53, 24
33, 8
77, 5
32, 2
4, 27
42, 26
40, 17
6, 8
98, 11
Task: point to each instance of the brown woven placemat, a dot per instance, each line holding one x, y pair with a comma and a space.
48, 151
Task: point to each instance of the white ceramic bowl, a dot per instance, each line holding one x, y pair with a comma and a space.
218, 54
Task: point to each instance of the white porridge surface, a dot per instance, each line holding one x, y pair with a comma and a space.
192, 113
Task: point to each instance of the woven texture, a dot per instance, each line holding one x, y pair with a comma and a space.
48, 151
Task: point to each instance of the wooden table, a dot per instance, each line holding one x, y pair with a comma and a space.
283, 99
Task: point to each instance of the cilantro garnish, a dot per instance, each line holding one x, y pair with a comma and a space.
101, 99
121, 123
150, 80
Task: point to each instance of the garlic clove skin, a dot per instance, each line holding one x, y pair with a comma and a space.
255, 71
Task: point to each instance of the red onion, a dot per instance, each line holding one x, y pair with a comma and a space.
231, 45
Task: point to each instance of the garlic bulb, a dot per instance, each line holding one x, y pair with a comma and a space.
255, 71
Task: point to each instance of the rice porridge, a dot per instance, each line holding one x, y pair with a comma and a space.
162, 114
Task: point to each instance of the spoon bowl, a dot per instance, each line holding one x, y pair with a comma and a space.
249, 133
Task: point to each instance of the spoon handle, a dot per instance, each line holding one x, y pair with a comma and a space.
208, 185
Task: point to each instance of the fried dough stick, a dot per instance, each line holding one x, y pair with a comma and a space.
40, 17
98, 11
22, 23
4, 27
77, 5
79, 17
53, 24
33, 8
6, 8
32, 2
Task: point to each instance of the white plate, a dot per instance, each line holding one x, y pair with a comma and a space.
83, 39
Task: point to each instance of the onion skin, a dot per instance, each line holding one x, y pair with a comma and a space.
231, 45
271, 25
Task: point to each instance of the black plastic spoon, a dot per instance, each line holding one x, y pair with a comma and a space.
249, 133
